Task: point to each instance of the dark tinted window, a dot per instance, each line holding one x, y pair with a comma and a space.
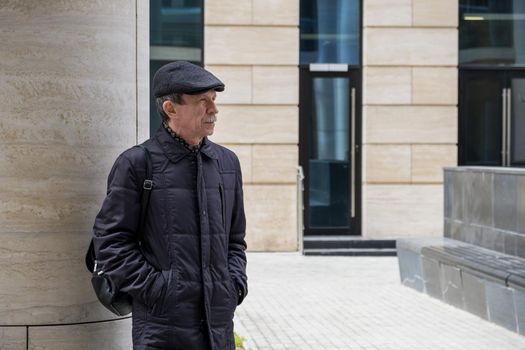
176, 33
330, 31
492, 32
176, 23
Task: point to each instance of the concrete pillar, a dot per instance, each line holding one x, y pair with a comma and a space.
73, 79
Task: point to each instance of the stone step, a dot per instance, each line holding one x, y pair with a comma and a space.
346, 242
350, 252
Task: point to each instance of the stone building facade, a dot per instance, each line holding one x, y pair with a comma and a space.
74, 93
409, 112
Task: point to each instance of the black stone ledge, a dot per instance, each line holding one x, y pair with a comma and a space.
346, 242
486, 169
350, 252
484, 263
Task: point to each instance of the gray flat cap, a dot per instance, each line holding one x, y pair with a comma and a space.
185, 78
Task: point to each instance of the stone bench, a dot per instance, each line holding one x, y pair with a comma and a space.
487, 283
479, 264
505, 269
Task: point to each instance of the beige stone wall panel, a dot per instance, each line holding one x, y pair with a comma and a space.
428, 161
395, 211
257, 124
13, 338
30, 162
389, 13
244, 153
251, 45
65, 124
48, 282
271, 217
411, 46
409, 114
238, 82
237, 12
51, 204
276, 85
411, 124
275, 163
387, 85
59, 82
37, 8
66, 208
364, 126
432, 13
435, 86
114, 335
387, 163
276, 12
49, 52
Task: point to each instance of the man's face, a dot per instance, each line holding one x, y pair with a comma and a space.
196, 117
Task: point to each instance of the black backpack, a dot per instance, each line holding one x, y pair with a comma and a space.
114, 300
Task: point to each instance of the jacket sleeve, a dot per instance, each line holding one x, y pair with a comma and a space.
237, 243
115, 241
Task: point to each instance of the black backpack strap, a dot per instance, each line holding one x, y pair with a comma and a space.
147, 186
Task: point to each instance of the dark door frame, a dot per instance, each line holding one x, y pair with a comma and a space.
504, 74
305, 115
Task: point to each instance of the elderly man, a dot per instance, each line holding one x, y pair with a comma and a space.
188, 273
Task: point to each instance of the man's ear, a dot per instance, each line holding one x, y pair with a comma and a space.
169, 108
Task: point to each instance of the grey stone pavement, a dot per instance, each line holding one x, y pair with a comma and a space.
304, 302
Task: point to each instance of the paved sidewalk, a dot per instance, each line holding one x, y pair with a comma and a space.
297, 302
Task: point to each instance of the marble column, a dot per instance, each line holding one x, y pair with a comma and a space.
73, 91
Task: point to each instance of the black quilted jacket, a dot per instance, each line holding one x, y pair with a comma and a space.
190, 273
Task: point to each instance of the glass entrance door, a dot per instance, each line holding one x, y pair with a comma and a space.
329, 152
492, 118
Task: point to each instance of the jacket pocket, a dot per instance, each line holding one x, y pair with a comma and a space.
234, 290
158, 307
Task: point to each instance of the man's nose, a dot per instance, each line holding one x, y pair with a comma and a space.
214, 108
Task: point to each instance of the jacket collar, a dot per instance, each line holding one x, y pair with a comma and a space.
175, 151
208, 148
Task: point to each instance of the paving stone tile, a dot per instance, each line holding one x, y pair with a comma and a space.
355, 303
